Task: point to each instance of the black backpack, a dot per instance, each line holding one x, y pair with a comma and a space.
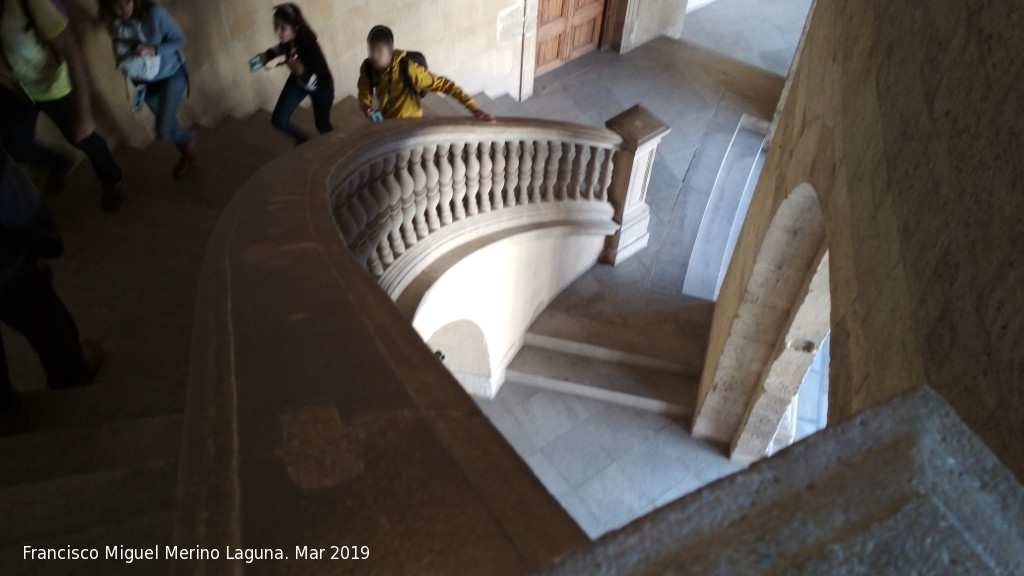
403, 70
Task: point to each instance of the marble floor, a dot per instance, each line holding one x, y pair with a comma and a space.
702, 96
609, 464
762, 33
606, 464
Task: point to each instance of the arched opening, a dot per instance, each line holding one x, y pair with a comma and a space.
773, 418
774, 332
462, 346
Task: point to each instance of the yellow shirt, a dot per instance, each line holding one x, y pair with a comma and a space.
34, 69
395, 98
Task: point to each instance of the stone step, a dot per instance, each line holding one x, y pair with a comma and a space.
636, 387
346, 116
255, 132
741, 216
596, 352
681, 343
721, 211
677, 248
439, 105
30, 458
42, 412
144, 531
75, 503
903, 488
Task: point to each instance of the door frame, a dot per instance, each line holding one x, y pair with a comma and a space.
528, 51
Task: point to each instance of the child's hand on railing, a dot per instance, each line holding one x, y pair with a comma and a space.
481, 115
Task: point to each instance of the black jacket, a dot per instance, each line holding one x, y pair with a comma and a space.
27, 232
317, 74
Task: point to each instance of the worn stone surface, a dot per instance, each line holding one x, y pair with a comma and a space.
906, 122
316, 415
782, 270
904, 488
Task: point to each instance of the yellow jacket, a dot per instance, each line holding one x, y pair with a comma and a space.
395, 98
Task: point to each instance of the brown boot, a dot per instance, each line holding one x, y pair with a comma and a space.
189, 155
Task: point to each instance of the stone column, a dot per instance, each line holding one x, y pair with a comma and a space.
641, 133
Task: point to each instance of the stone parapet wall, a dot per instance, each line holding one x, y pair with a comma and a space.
906, 121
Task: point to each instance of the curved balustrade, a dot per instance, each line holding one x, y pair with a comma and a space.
316, 415
397, 192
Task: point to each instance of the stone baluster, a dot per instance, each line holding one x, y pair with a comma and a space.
346, 221
576, 178
511, 172
641, 133
486, 177
433, 187
551, 171
527, 156
394, 191
366, 219
383, 201
419, 192
408, 198
537, 178
358, 215
472, 179
607, 170
498, 169
593, 173
444, 164
564, 171
458, 181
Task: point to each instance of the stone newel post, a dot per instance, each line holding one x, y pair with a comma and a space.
641, 133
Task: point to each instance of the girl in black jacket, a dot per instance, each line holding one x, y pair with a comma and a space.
310, 75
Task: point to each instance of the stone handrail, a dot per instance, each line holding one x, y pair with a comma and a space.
316, 416
398, 189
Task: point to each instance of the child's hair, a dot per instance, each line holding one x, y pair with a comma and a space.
380, 34
291, 15
140, 13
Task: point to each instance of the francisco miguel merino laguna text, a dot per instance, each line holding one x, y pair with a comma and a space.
129, 555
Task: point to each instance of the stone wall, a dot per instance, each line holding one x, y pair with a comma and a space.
639, 21
907, 120
477, 44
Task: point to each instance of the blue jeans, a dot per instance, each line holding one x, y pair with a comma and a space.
164, 98
291, 96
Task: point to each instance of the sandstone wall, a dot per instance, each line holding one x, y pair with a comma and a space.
478, 44
907, 121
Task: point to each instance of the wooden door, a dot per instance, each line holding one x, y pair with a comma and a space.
567, 29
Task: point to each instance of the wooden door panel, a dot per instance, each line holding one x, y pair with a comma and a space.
551, 10
566, 29
584, 37
550, 53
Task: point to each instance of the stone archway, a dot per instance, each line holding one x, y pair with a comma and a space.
464, 348
732, 405
781, 380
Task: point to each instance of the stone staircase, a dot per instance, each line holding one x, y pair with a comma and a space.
597, 359
98, 466
739, 165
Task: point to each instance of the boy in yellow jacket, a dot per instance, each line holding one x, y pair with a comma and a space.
398, 81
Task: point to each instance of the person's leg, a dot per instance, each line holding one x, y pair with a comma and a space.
291, 96
62, 112
323, 100
18, 116
30, 306
164, 99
